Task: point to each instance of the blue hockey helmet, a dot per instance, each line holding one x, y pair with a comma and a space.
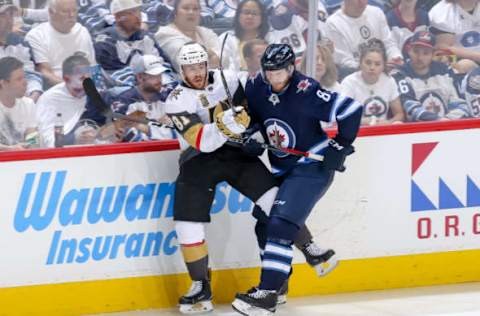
277, 56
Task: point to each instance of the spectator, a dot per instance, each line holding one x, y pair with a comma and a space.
67, 98
405, 19
325, 70
18, 126
353, 25
373, 87
13, 45
289, 23
434, 95
250, 22
252, 52
52, 42
470, 89
456, 26
117, 45
145, 100
185, 28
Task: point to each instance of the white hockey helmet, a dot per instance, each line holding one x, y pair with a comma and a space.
190, 54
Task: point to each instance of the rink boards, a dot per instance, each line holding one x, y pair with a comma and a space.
90, 229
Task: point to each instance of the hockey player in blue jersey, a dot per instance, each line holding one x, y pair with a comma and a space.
289, 106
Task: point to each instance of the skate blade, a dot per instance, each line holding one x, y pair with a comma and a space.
282, 299
249, 310
199, 308
326, 267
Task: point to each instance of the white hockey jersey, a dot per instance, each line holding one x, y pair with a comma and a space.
348, 33
192, 111
449, 17
375, 97
289, 27
436, 90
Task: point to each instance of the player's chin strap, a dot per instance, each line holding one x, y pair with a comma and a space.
97, 100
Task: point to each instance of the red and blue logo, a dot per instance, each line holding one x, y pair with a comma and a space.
447, 199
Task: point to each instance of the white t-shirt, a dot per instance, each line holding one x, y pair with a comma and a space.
58, 100
348, 33
375, 97
16, 120
52, 47
451, 18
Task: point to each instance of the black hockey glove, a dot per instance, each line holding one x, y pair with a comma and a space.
335, 154
252, 148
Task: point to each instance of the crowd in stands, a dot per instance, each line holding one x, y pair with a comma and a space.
405, 60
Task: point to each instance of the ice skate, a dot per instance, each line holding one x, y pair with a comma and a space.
324, 261
198, 299
256, 302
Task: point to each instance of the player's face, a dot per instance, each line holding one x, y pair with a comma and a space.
151, 83
196, 75
16, 85
250, 16
278, 78
321, 67
129, 20
421, 58
64, 15
188, 14
371, 66
6, 21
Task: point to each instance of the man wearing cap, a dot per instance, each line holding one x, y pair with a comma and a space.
145, 99
426, 87
67, 99
14, 45
53, 41
117, 45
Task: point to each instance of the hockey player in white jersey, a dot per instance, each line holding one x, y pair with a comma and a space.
205, 122
432, 82
457, 25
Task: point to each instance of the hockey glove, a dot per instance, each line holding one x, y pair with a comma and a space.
252, 147
335, 154
232, 124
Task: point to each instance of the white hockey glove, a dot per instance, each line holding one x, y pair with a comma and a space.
233, 124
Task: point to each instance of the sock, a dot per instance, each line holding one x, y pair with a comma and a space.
196, 259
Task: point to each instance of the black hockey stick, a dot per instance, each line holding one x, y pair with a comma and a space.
97, 100
105, 110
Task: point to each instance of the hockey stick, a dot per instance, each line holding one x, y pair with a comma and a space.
105, 110
97, 100
222, 75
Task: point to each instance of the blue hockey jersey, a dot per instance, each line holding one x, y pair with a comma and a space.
291, 119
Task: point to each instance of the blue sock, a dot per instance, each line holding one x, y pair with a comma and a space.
276, 265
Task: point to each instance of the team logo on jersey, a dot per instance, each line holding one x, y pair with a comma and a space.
274, 99
365, 32
280, 134
204, 100
432, 102
303, 85
374, 106
470, 39
175, 93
